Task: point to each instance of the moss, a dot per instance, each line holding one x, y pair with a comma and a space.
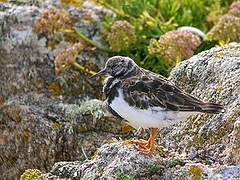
175, 162
155, 169
122, 176
31, 174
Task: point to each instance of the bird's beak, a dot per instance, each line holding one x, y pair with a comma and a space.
100, 73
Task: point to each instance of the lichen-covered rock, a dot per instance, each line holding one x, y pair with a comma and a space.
26, 62
111, 161
121, 161
36, 131
205, 146
232, 151
214, 76
44, 118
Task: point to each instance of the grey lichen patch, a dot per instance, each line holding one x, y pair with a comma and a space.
119, 161
89, 116
233, 151
213, 76
35, 127
93, 107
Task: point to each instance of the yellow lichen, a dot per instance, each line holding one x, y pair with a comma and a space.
2, 100
55, 125
196, 172
31, 174
126, 128
54, 88
74, 3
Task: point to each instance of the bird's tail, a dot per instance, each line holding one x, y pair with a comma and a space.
211, 108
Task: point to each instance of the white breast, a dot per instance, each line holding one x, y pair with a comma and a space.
153, 117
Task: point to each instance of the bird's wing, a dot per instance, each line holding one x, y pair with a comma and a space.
150, 90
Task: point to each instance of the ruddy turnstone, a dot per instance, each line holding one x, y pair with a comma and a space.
145, 99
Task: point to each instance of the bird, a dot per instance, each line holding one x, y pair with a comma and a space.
147, 100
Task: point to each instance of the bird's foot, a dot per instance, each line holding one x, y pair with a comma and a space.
144, 146
141, 143
147, 150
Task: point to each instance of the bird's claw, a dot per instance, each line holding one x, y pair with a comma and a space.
141, 143
144, 146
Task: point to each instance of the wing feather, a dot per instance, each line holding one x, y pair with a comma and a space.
155, 91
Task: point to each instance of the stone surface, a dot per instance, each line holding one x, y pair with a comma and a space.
119, 161
44, 118
214, 76
204, 146
36, 131
26, 63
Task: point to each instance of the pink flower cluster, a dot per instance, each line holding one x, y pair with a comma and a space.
51, 21
227, 28
67, 57
174, 46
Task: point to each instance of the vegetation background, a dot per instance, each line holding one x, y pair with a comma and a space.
148, 30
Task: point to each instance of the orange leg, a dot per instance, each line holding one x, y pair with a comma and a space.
147, 147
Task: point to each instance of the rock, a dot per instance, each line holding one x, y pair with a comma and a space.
232, 152
36, 131
205, 146
111, 161
214, 76
44, 118
119, 161
26, 63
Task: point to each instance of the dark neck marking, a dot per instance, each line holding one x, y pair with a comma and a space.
110, 89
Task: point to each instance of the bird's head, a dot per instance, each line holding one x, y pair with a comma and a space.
118, 66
